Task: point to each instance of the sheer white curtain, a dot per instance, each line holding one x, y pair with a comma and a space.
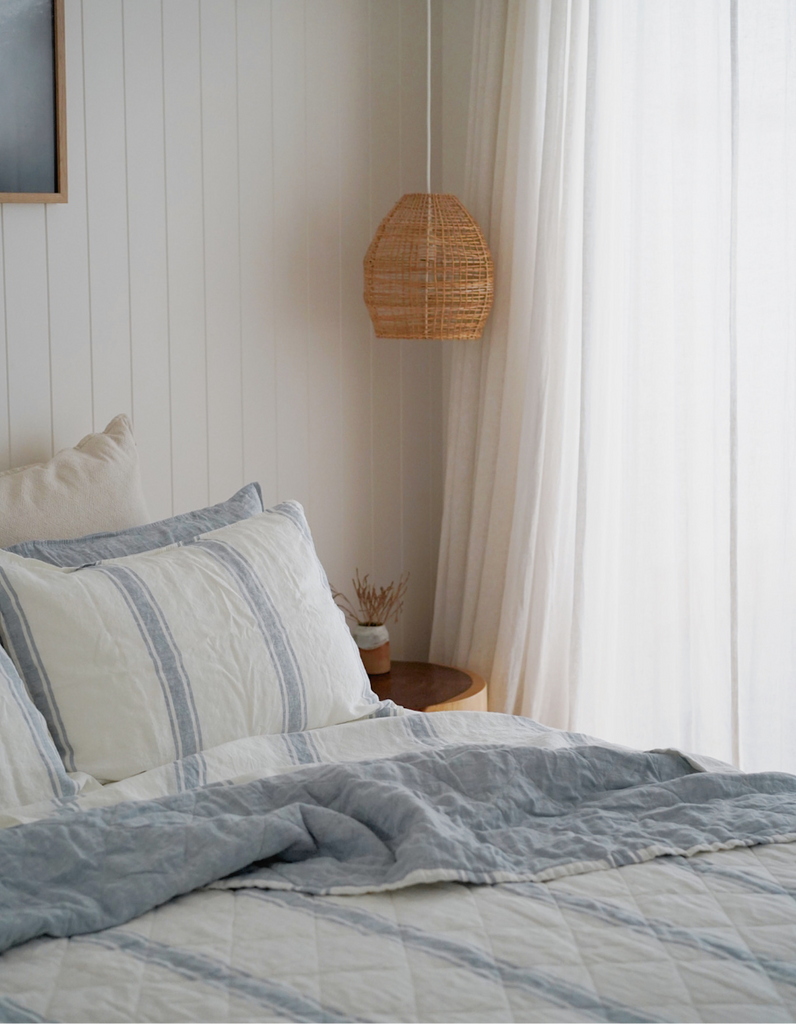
619, 533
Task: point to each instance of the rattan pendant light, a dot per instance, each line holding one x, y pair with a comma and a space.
428, 270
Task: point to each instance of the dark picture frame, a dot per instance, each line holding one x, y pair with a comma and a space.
32, 126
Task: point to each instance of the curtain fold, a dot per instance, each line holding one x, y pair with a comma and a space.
765, 309
513, 402
618, 546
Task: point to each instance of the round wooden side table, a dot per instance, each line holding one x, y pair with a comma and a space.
422, 686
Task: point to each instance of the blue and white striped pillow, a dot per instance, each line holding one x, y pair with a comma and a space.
248, 501
30, 768
139, 660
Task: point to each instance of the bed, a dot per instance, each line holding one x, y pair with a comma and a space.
176, 847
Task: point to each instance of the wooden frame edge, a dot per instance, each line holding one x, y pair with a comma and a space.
59, 50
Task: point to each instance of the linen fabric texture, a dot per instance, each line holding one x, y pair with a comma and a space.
30, 768
248, 501
140, 660
383, 825
710, 937
94, 486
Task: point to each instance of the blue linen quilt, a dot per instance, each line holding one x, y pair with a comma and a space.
470, 813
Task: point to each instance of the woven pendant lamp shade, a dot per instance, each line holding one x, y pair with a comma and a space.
428, 271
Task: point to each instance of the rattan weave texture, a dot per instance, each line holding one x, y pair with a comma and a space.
428, 271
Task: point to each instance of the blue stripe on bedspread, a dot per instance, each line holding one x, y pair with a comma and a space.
480, 962
691, 938
270, 995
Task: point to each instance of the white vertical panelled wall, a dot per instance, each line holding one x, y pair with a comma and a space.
229, 161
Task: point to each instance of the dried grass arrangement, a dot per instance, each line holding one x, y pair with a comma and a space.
376, 607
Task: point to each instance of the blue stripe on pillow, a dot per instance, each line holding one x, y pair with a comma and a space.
10, 1009
295, 513
97, 547
26, 655
165, 654
191, 772
277, 641
62, 785
291, 510
301, 747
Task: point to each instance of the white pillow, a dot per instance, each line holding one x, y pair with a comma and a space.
93, 487
139, 660
30, 768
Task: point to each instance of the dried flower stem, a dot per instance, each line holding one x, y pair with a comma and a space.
376, 607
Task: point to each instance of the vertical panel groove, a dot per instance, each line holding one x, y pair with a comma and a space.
49, 324
204, 241
127, 211
340, 354
307, 389
733, 418
5, 335
168, 261
275, 361
88, 224
240, 244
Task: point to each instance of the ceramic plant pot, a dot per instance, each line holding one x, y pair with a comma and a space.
374, 648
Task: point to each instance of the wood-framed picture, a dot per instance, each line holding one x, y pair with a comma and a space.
32, 102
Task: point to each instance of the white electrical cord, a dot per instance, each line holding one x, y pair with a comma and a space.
428, 96
429, 247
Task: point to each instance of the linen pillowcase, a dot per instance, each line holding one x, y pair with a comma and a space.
94, 486
30, 768
98, 546
141, 660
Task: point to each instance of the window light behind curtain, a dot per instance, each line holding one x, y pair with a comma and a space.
619, 533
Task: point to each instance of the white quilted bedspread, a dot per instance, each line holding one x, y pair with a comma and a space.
710, 938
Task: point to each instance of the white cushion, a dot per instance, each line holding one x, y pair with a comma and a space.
30, 768
139, 660
93, 487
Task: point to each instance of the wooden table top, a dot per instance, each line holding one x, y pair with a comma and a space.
419, 684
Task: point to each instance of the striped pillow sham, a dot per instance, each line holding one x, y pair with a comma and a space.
30, 768
248, 501
139, 660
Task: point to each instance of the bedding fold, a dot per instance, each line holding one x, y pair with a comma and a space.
471, 813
